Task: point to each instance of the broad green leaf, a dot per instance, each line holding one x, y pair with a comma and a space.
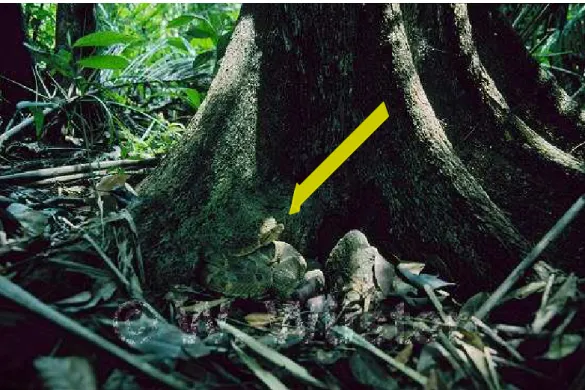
103, 38
198, 32
193, 96
104, 62
562, 346
180, 21
205, 25
39, 119
203, 59
202, 43
179, 43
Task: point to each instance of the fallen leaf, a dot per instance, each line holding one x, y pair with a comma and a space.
347, 334
384, 274
404, 355
259, 320
32, 221
420, 280
472, 305
66, 373
562, 346
368, 371
555, 304
108, 183
272, 355
264, 375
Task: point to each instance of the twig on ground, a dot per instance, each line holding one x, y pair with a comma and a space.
488, 331
272, 355
109, 263
530, 258
86, 175
73, 169
360, 341
16, 294
23, 125
435, 301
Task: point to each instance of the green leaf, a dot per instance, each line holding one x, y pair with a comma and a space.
193, 96
103, 38
203, 59
562, 346
472, 305
198, 32
104, 62
222, 44
180, 21
205, 25
39, 119
179, 43
202, 43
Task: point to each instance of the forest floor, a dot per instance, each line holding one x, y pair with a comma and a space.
73, 313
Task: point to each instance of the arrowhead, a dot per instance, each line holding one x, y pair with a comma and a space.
295, 205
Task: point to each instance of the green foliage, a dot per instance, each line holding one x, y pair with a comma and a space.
39, 22
103, 38
104, 62
153, 143
555, 35
150, 70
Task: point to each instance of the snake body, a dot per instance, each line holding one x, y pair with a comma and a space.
274, 268
266, 267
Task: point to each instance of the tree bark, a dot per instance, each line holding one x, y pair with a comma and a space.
16, 65
296, 81
73, 22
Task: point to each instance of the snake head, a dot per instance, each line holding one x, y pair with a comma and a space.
270, 231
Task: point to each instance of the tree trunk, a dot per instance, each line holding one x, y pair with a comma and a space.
456, 177
74, 21
16, 64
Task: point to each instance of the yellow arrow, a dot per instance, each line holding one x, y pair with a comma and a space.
337, 157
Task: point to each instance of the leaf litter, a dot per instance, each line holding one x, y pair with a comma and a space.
70, 256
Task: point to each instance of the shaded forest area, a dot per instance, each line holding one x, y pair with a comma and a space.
149, 154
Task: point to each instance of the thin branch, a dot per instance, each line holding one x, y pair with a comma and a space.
23, 125
72, 169
16, 294
85, 175
530, 258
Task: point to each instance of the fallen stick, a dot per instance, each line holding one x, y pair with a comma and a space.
85, 175
71, 169
22, 125
22, 297
530, 258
